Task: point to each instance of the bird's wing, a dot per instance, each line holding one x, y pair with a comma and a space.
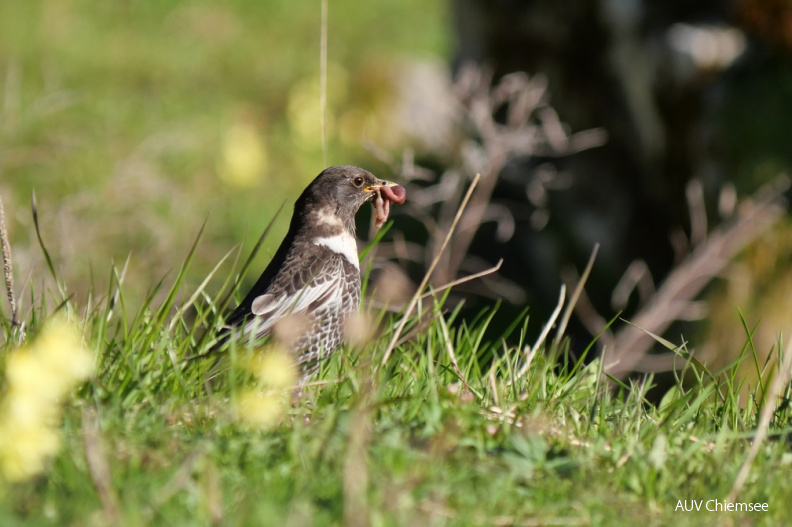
315, 279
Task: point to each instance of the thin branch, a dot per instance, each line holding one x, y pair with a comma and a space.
694, 192
588, 315
452, 357
323, 80
355, 475
463, 280
7, 265
530, 353
637, 276
98, 466
576, 294
673, 299
780, 381
427, 276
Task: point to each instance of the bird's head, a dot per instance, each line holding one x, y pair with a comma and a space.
335, 196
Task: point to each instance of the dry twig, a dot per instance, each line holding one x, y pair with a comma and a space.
530, 128
7, 265
428, 275
323, 79
356, 473
780, 381
98, 466
675, 299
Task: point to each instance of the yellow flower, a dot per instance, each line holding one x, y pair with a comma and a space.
262, 409
29, 376
244, 158
25, 408
303, 109
61, 346
23, 450
38, 377
264, 404
275, 369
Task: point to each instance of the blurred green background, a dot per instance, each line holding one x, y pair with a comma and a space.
133, 121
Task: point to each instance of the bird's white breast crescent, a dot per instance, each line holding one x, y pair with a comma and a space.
343, 244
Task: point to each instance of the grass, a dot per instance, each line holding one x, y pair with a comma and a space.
121, 117
154, 439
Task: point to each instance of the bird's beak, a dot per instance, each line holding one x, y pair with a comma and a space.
393, 191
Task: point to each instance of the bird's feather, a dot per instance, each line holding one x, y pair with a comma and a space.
312, 277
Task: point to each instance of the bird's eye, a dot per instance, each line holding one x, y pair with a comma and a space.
358, 181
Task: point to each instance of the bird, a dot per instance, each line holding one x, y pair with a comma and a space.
314, 276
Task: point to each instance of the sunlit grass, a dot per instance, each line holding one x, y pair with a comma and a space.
133, 122
420, 439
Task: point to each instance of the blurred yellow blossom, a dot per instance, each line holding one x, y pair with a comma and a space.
303, 107
261, 408
275, 369
244, 158
25, 449
264, 404
39, 376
